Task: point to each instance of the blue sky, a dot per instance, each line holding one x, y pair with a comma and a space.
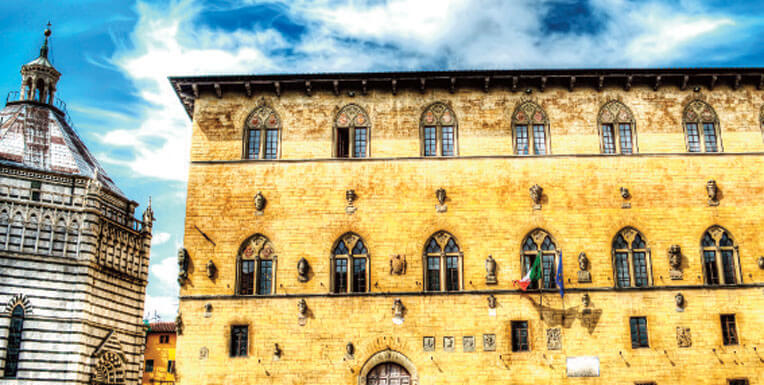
115, 61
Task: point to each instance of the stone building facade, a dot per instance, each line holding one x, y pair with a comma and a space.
73, 259
159, 364
366, 228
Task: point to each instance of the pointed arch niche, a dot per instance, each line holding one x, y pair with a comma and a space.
701, 127
349, 264
262, 134
351, 133
438, 131
530, 130
721, 257
256, 265
443, 262
618, 134
632, 262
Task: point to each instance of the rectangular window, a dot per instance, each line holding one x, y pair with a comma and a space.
359, 275
264, 276
520, 336
738, 381
452, 273
430, 142
433, 273
36, 186
547, 270
239, 339
539, 139
253, 144
729, 331
247, 277
709, 262
625, 136
521, 139
359, 147
638, 332
622, 269
640, 269
693, 138
164, 339
709, 136
644, 383
340, 275
448, 141
271, 144
728, 266
149, 366
608, 140
343, 142
170, 366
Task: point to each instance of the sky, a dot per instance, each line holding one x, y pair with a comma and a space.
115, 60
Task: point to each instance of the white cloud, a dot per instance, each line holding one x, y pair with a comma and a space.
159, 238
166, 271
166, 307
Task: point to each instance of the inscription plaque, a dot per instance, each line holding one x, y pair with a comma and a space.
584, 366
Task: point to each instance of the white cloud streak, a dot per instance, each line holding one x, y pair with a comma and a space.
159, 238
373, 35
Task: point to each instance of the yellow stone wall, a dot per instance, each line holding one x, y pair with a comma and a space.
489, 212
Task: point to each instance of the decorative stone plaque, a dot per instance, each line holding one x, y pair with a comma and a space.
468, 343
584, 366
683, 337
553, 339
428, 344
489, 342
204, 353
448, 344
584, 276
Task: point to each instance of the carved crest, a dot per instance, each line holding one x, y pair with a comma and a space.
490, 270
352, 115
259, 201
683, 337
553, 339
303, 268
398, 264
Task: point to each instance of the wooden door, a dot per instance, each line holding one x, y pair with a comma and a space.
388, 374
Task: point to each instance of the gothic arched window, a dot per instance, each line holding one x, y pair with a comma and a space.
438, 131
351, 132
72, 238
30, 233
539, 244
701, 127
256, 261
631, 259
4, 226
530, 130
59, 237
443, 261
14, 342
350, 265
720, 254
617, 129
46, 233
262, 134
16, 230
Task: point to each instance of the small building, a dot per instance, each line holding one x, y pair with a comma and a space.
73, 257
159, 366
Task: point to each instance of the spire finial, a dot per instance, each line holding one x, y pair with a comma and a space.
44, 48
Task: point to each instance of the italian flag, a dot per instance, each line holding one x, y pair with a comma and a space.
533, 274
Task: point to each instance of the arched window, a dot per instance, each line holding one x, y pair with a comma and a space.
350, 265
631, 259
72, 239
438, 131
30, 233
59, 237
698, 115
443, 261
4, 225
720, 254
14, 342
17, 228
351, 132
46, 233
262, 134
617, 129
256, 261
530, 130
539, 244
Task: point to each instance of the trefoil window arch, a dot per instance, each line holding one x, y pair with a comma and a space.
262, 134
351, 132
350, 265
256, 267
632, 265
721, 257
701, 128
438, 131
444, 263
530, 129
617, 129
15, 330
540, 244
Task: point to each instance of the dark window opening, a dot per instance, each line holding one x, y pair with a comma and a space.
729, 267
36, 186
247, 283
539, 139
638, 332
340, 275
359, 275
738, 381
149, 366
433, 273
170, 366
709, 137
343, 142
521, 138
164, 339
547, 263
452, 273
712, 273
608, 140
729, 331
520, 336
264, 276
239, 339
15, 330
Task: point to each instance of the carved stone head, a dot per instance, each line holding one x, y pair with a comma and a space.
712, 189
179, 324
350, 197
536, 192
675, 256
259, 201
182, 266
583, 262
490, 266
491, 302
208, 307
398, 308
211, 269
625, 194
679, 299
398, 264
349, 349
441, 195
585, 300
302, 307
302, 270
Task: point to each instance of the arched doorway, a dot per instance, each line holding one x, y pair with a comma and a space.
388, 373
